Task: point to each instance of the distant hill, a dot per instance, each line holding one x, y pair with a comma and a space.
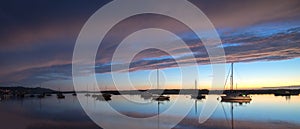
36, 90
283, 87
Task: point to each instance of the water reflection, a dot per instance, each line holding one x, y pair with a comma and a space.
232, 102
267, 109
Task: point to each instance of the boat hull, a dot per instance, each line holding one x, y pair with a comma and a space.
161, 98
199, 96
238, 99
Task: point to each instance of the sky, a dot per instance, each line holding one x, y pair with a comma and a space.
38, 37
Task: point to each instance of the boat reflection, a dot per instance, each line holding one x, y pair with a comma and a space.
240, 101
232, 102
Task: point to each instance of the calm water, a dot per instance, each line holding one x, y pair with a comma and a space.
34, 113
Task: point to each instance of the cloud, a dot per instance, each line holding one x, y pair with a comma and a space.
236, 13
37, 41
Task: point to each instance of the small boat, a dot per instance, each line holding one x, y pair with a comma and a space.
160, 97
197, 95
94, 95
41, 95
87, 92
102, 97
146, 95
74, 94
21, 95
60, 95
106, 95
285, 93
234, 96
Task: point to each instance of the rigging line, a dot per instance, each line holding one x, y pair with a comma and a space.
226, 79
238, 77
225, 114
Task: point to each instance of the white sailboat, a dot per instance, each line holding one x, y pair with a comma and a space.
235, 97
160, 97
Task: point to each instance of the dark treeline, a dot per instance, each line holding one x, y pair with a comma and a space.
39, 90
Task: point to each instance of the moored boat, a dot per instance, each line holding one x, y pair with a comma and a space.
234, 96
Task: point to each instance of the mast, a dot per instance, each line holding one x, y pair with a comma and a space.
231, 78
232, 126
195, 84
157, 72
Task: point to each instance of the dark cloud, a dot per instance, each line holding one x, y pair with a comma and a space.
37, 37
237, 13
27, 23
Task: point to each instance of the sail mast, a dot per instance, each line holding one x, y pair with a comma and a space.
195, 84
157, 72
231, 78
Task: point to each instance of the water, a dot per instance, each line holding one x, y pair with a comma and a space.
263, 111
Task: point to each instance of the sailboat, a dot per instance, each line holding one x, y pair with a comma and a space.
197, 95
42, 95
146, 95
106, 96
60, 95
102, 96
160, 97
235, 97
87, 92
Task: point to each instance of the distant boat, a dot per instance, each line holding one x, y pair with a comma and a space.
60, 95
87, 92
106, 96
197, 95
102, 96
146, 95
160, 97
235, 96
21, 95
41, 95
285, 93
